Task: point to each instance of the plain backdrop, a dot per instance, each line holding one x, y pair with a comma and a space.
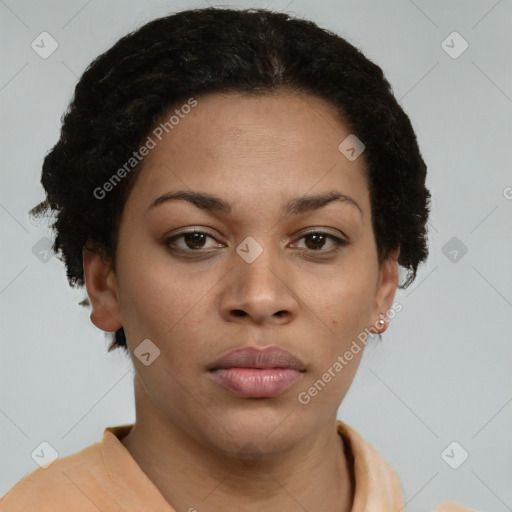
443, 371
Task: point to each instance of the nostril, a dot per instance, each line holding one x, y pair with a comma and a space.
238, 312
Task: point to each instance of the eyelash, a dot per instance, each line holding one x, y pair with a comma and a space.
339, 242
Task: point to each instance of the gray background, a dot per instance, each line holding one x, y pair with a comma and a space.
442, 373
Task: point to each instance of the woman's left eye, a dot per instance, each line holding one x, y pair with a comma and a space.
315, 240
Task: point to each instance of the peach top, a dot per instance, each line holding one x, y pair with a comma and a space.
104, 476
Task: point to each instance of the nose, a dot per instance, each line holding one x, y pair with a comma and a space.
261, 292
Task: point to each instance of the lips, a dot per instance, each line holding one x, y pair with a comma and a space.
257, 372
255, 357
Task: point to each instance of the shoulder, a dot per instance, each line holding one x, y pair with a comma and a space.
376, 481
69, 480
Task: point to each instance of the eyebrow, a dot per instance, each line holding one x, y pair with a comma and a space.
297, 206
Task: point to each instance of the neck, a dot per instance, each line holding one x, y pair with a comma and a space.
315, 474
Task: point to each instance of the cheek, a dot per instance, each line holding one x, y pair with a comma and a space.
155, 306
149, 294
344, 304
339, 315
163, 300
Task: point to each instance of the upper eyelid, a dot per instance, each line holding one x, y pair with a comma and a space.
299, 236
300, 233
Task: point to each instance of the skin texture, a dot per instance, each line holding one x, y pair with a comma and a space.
257, 153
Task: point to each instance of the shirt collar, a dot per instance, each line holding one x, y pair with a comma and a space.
377, 486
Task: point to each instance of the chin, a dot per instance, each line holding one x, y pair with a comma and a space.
257, 421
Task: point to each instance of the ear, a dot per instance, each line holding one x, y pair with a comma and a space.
385, 293
101, 285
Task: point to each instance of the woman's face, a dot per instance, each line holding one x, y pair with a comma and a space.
257, 274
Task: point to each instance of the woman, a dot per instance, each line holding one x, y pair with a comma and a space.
237, 191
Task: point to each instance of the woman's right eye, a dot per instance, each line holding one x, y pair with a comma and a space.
190, 241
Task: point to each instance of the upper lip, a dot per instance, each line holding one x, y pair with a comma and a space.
257, 357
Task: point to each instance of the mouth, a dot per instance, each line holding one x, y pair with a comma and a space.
257, 373
258, 358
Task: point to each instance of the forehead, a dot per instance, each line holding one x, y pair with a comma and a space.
263, 148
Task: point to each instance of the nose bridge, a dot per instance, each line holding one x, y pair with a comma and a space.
256, 259
258, 281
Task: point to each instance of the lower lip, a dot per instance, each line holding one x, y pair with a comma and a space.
256, 382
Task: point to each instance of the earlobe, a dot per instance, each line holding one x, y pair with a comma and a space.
101, 285
388, 283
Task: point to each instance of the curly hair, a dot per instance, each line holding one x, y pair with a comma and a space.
125, 91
